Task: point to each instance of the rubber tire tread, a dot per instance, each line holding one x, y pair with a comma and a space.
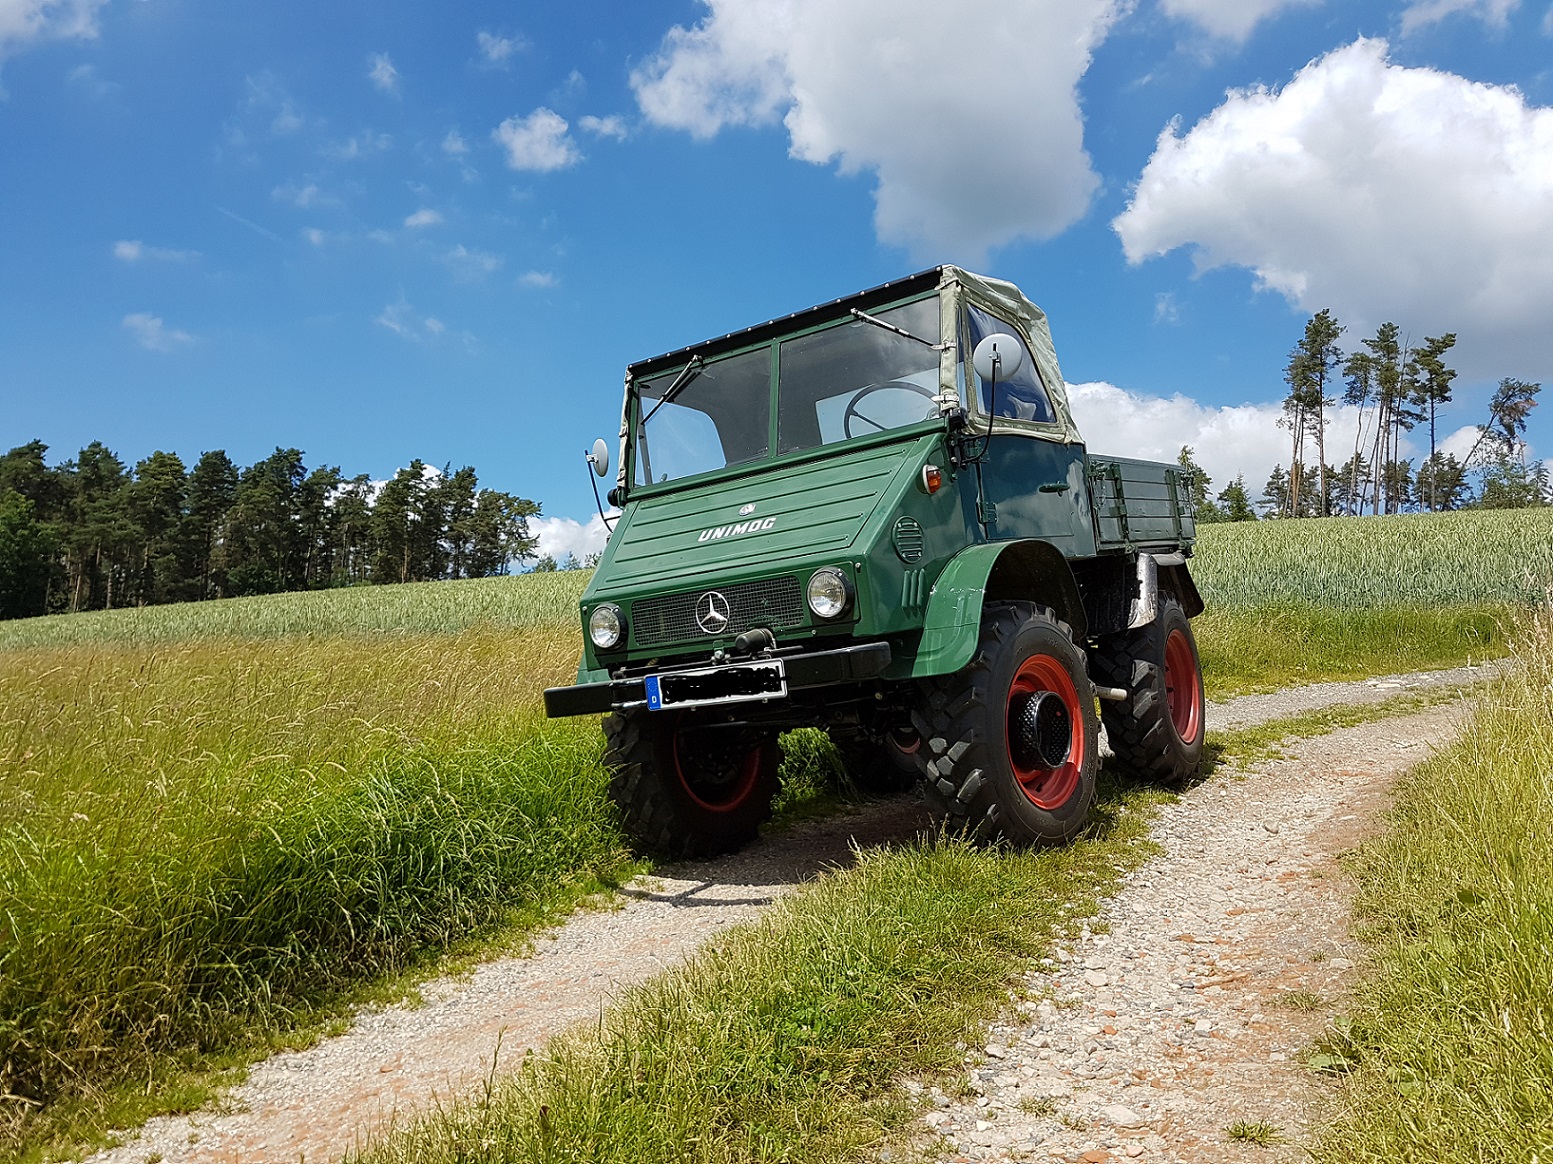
954, 711
655, 812
1139, 729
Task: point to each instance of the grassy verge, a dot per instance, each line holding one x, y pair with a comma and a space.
203, 846
783, 1041
1451, 1034
1286, 644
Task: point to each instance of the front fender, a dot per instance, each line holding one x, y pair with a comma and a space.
1028, 570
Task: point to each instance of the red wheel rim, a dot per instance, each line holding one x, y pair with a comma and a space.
1048, 788
1183, 690
717, 795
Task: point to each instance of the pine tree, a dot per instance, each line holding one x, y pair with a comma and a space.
204, 534
1197, 483
1234, 503
1310, 372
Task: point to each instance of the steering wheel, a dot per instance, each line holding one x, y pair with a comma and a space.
864, 393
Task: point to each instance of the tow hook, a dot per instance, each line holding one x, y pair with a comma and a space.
753, 642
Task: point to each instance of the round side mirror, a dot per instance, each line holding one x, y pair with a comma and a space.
998, 357
599, 458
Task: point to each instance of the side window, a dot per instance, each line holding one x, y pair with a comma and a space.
1021, 396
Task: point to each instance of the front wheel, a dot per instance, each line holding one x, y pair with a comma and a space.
1010, 741
688, 785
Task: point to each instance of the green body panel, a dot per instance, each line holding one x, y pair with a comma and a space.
953, 619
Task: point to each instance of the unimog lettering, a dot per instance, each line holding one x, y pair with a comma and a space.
744, 527
961, 596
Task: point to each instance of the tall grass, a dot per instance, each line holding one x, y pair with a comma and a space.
1443, 559
1452, 1034
196, 840
524, 600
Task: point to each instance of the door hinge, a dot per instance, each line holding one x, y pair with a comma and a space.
986, 512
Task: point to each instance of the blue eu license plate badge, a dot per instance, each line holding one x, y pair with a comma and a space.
654, 694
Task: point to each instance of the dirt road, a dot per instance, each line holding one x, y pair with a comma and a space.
1191, 1043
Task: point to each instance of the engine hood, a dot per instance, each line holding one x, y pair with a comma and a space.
784, 515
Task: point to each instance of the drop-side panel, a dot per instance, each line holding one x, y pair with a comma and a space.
1139, 503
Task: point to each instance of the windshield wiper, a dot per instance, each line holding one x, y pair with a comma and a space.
686, 375
877, 322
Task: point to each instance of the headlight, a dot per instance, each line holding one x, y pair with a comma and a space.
830, 594
606, 626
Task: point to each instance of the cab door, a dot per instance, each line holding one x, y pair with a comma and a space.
1032, 485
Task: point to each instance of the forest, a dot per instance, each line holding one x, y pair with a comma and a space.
92, 534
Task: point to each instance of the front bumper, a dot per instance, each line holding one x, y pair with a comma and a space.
815, 669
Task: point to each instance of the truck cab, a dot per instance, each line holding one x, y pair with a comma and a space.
854, 517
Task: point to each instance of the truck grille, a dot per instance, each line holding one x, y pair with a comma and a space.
776, 603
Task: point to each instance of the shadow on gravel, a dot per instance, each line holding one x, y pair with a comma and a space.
795, 854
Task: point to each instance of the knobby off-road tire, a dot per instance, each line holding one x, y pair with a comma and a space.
1157, 732
975, 776
686, 787
881, 766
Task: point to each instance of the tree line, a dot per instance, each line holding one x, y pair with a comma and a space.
94, 534
1394, 386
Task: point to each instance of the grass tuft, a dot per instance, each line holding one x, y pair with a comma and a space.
1261, 1133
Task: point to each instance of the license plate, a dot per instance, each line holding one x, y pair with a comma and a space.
737, 684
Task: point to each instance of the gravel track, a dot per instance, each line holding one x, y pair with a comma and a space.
1245, 847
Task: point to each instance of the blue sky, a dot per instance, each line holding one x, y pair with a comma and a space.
384, 231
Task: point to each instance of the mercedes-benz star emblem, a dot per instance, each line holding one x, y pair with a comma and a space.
712, 613
746, 510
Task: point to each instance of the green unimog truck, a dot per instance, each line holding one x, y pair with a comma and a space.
877, 517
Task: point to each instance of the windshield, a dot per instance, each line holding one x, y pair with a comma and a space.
849, 380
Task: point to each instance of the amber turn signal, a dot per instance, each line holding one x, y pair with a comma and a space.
932, 478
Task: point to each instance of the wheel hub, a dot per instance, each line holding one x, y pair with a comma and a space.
1040, 730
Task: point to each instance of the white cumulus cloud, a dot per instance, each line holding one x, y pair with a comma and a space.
383, 73
1421, 13
560, 536
496, 49
25, 21
454, 144
537, 279
1378, 191
154, 335
613, 126
967, 117
1230, 19
134, 251
424, 217
538, 141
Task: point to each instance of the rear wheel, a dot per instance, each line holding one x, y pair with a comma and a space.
688, 785
1157, 731
1010, 740
884, 764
